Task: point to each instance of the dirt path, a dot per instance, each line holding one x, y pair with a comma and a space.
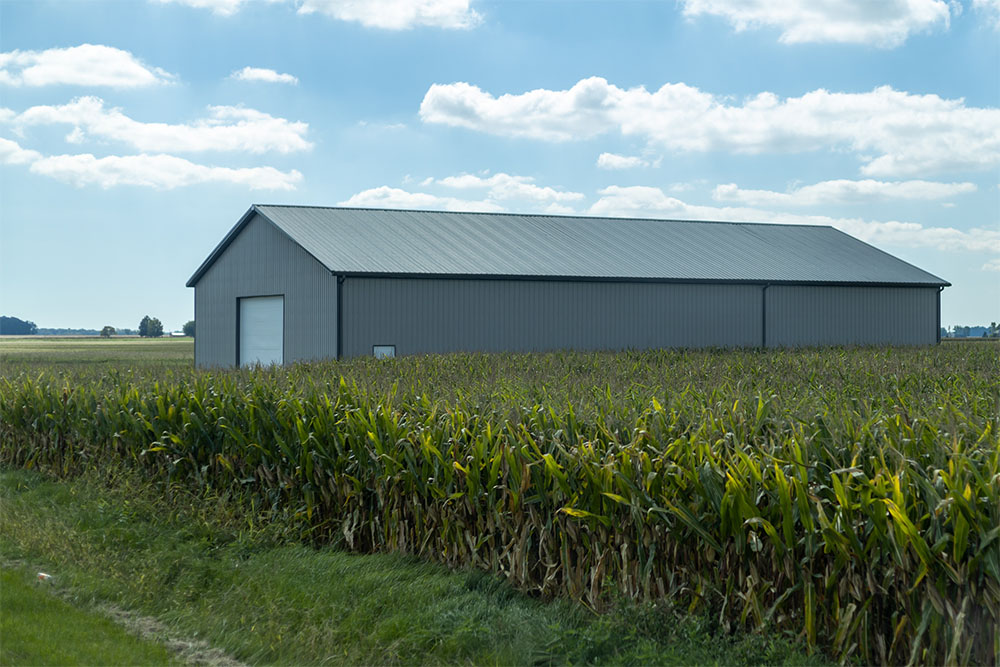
191, 651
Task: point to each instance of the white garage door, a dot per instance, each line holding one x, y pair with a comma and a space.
262, 326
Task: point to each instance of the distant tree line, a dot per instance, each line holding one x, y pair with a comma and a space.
13, 326
960, 331
149, 327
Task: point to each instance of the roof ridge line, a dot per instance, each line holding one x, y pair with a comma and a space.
544, 215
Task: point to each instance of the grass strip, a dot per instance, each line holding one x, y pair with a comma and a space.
189, 562
39, 628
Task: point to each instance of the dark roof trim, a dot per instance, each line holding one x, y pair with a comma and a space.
621, 279
219, 249
233, 233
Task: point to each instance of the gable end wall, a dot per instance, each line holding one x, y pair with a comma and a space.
262, 261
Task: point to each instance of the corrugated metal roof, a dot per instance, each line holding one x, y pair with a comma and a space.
405, 242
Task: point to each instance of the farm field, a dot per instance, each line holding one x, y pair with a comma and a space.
61, 352
848, 497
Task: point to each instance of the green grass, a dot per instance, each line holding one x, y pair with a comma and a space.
193, 564
94, 352
38, 628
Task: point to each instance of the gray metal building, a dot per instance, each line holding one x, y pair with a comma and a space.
292, 283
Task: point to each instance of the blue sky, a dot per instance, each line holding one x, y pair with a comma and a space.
133, 135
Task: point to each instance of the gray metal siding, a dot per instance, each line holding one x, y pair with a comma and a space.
422, 316
851, 316
262, 261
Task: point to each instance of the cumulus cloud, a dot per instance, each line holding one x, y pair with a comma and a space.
651, 202
990, 9
842, 192
886, 23
397, 14
893, 133
387, 197
219, 7
992, 265
613, 161
227, 128
264, 75
84, 65
12, 153
504, 186
162, 172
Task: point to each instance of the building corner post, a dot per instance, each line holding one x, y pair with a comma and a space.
340, 318
937, 329
763, 316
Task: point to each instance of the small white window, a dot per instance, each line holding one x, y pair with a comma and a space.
384, 351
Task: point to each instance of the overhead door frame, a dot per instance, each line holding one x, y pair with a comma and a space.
239, 324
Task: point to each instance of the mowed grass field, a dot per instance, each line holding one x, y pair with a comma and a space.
60, 352
845, 498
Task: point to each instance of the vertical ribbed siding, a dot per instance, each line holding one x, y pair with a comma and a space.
421, 316
262, 261
800, 315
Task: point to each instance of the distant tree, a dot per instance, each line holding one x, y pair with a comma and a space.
993, 331
150, 327
155, 328
188, 329
944, 332
107, 332
13, 326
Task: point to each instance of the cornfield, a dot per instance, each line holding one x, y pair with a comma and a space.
849, 496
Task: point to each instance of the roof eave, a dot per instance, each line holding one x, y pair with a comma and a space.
636, 279
223, 244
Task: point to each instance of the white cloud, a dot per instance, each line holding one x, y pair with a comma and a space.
992, 265
559, 209
12, 153
397, 14
384, 14
84, 65
219, 7
893, 133
991, 9
163, 172
883, 23
262, 74
647, 202
386, 197
613, 161
504, 186
226, 129
842, 192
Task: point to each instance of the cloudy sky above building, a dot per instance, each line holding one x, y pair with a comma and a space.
134, 135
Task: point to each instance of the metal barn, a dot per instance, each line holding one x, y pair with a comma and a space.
291, 283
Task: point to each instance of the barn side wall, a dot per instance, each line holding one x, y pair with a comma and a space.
421, 316
806, 315
262, 261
